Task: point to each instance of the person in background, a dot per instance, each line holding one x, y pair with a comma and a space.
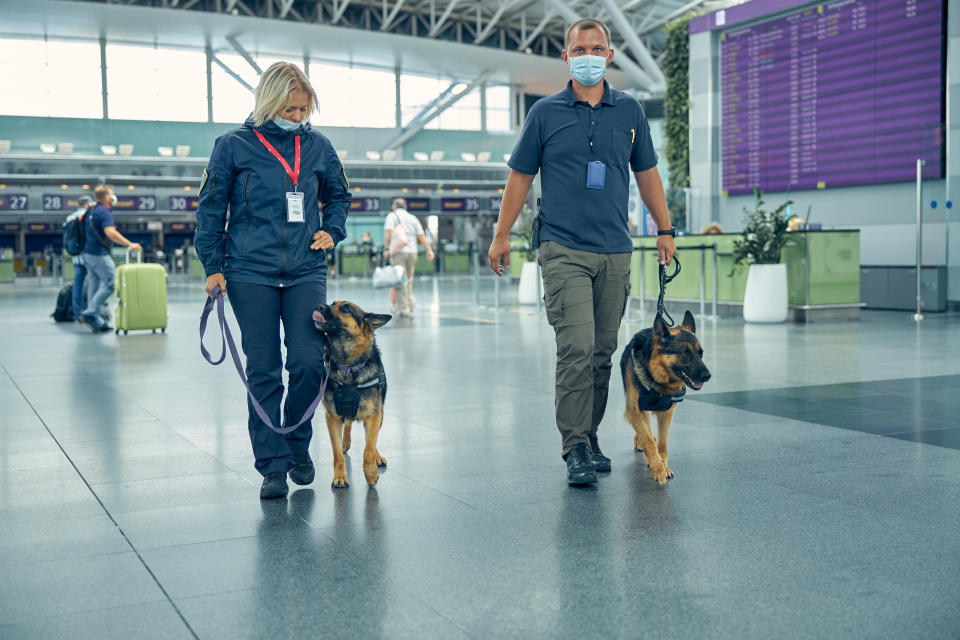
407, 255
712, 228
101, 233
79, 270
271, 174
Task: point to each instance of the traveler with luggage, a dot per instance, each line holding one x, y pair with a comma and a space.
74, 236
272, 172
101, 233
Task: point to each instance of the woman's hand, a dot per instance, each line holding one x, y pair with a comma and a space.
213, 281
321, 240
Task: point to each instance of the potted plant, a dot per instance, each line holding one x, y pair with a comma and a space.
759, 246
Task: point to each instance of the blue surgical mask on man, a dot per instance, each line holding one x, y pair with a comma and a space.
587, 69
286, 125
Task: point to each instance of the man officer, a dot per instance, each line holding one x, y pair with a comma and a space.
585, 140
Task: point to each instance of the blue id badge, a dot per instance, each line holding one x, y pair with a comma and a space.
596, 174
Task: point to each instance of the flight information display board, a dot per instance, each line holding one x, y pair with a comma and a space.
837, 94
14, 202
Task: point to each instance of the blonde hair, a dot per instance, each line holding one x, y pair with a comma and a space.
712, 227
277, 85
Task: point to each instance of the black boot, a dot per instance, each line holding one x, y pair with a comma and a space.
580, 466
274, 486
302, 471
600, 461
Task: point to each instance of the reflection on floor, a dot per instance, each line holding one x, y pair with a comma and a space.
128, 498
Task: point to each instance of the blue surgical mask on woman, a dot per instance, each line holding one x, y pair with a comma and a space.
286, 125
587, 69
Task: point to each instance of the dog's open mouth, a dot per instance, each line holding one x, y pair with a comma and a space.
687, 379
318, 318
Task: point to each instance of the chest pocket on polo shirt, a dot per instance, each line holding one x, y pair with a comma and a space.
622, 144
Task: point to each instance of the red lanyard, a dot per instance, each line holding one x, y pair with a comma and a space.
295, 172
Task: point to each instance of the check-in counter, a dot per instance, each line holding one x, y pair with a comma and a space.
823, 273
6, 265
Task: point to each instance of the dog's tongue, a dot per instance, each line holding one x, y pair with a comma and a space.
317, 316
696, 385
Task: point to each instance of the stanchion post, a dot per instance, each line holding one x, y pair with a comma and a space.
715, 282
703, 283
918, 315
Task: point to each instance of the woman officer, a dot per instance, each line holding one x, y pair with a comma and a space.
272, 172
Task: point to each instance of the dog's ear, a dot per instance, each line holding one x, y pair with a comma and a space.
376, 320
660, 329
688, 322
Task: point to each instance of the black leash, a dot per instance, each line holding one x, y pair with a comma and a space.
664, 280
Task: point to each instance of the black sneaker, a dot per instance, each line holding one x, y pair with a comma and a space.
600, 461
580, 466
302, 472
274, 486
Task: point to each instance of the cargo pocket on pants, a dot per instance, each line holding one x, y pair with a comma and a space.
553, 301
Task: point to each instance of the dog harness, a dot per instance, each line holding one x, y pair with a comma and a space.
346, 397
650, 400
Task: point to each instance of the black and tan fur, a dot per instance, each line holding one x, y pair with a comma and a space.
349, 341
664, 360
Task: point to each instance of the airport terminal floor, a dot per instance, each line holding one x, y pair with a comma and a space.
815, 491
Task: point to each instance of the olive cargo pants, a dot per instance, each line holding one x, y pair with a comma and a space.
585, 295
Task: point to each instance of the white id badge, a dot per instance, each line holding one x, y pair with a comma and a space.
294, 206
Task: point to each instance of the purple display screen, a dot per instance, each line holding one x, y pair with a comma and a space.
135, 203
843, 93
365, 204
184, 203
14, 202
418, 204
459, 204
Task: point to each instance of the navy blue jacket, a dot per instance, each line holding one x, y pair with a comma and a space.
255, 243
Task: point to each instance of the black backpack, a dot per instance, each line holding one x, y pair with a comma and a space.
75, 235
64, 310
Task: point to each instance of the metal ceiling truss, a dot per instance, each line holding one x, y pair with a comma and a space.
531, 26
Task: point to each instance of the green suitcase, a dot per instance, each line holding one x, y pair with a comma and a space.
141, 295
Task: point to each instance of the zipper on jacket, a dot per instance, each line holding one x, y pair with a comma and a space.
246, 208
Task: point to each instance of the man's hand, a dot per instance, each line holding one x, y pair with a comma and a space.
430, 255
499, 250
666, 249
135, 246
213, 281
322, 240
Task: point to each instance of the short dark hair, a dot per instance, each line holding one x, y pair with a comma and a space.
583, 24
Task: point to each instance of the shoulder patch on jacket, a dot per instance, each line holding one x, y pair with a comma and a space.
203, 182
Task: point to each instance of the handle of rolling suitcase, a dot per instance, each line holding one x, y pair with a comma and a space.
126, 255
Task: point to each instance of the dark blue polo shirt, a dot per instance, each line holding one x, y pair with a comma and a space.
101, 216
555, 141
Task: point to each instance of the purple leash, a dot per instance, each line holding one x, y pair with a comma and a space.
227, 341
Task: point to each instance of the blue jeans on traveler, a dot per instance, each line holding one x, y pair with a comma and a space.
101, 271
79, 280
259, 310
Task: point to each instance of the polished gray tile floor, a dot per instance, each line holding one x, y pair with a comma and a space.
816, 489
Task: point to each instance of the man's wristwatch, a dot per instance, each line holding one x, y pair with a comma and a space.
672, 231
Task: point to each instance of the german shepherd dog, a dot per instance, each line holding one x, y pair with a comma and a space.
357, 385
657, 365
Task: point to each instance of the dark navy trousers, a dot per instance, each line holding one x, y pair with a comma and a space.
260, 309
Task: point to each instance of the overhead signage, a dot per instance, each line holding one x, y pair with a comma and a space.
184, 203
10, 226
180, 227
60, 202
40, 227
418, 205
136, 203
495, 203
14, 202
459, 204
365, 205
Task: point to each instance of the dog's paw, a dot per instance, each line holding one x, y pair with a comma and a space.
340, 482
637, 446
661, 473
371, 474
346, 447
381, 461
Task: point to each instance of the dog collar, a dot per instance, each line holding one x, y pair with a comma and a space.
352, 368
650, 400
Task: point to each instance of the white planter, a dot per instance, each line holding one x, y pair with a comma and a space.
765, 299
528, 292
